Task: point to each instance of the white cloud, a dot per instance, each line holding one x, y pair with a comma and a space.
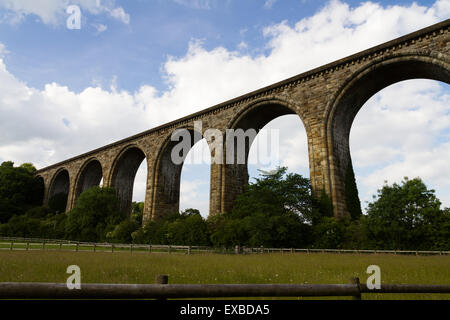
192, 195
242, 45
100, 27
403, 131
53, 12
442, 8
3, 51
269, 3
140, 182
119, 14
34, 128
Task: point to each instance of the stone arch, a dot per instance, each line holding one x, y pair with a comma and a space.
60, 184
352, 95
260, 112
254, 116
264, 104
167, 174
89, 175
123, 172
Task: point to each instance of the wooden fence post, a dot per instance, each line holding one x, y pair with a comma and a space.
11, 246
162, 279
356, 281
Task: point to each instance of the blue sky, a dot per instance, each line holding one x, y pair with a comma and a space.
134, 52
149, 62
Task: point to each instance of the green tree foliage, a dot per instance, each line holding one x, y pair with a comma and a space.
38, 222
351, 193
58, 202
271, 212
122, 232
19, 190
95, 214
322, 206
276, 210
137, 212
406, 216
185, 228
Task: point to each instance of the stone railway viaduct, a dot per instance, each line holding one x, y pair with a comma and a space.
326, 99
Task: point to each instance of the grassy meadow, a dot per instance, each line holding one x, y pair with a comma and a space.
299, 268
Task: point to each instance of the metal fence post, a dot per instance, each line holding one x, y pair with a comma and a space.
354, 280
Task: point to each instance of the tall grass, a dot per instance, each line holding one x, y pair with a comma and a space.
299, 268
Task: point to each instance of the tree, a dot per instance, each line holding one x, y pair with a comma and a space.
185, 228
95, 214
189, 229
122, 232
19, 190
137, 212
406, 216
271, 212
351, 193
58, 202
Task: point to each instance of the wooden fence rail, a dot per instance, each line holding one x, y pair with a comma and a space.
162, 290
15, 243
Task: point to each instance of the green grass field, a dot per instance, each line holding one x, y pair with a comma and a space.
299, 268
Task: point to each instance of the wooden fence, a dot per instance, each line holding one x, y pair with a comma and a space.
163, 290
14, 243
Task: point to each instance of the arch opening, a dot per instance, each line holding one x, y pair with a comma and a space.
124, 174
90, 176
268, 115
139, 190
349, 102
168, 173
414, 117
195, 179
59, 191
281, 142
